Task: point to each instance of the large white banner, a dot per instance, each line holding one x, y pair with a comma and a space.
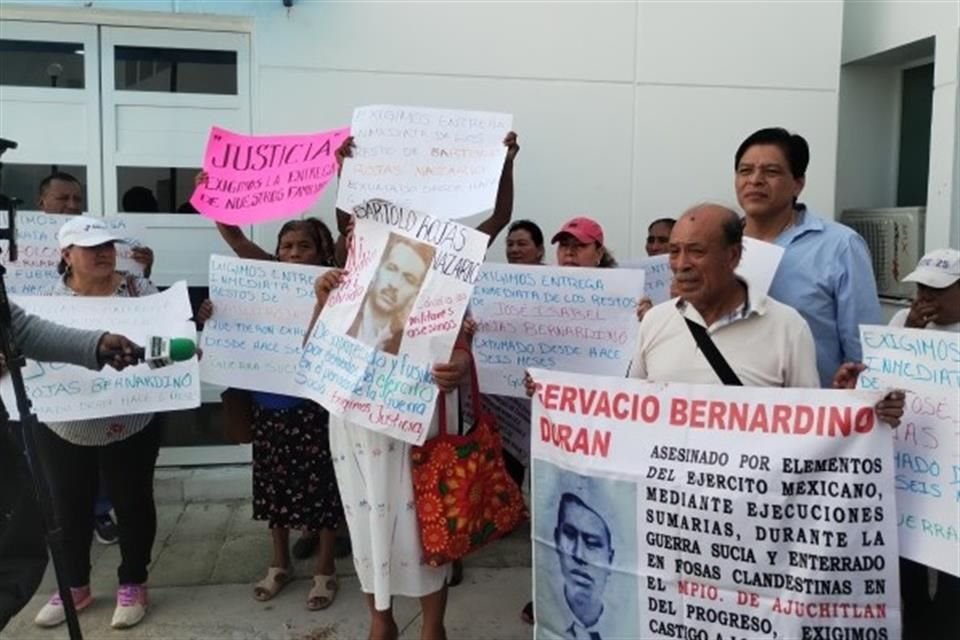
398, 312
447, 162
35, 270
62, 392
927, 364
683, 511
260, 315
562, 318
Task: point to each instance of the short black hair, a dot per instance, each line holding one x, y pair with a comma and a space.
531, 227
793, 146
62, 176
568, 498
733, 228
667, 221
139, 199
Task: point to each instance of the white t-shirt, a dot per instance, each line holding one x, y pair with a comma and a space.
766, 343
899, 319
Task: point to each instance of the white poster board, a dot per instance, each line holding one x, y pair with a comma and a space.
370, 356
562, 318
260, 315
927, 364
62, 392
666, 511
443, 161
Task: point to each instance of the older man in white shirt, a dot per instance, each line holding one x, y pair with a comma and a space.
718, 331
766, 343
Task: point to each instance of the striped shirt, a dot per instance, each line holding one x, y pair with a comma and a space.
98, 432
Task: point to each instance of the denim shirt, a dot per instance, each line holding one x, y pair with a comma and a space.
827, 275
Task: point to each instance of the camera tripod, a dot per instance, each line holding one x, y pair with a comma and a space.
24, 431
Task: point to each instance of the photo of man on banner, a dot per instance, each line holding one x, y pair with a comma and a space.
585, 528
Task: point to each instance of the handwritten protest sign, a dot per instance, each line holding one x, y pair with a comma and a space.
35, 270
927, 364
657, 276
446, 162
257, 178
398, 311
683, 511
565, 318
65, 392
260, 315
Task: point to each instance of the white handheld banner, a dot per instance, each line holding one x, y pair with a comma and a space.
446, 162
397, 313
562, 318
260, 315
684, 511
61, 392
927, 364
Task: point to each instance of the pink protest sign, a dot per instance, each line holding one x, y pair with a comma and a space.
257, 178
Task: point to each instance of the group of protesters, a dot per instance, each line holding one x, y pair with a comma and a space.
311, 470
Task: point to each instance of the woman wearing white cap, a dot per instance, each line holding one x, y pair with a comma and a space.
935, 306
121, 448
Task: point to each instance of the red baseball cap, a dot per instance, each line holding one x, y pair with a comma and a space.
586, 230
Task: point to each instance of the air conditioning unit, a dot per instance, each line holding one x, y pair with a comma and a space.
895, 238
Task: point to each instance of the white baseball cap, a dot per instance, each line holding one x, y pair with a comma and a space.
938, 269
84, 231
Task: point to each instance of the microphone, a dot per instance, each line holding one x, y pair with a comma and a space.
162, 352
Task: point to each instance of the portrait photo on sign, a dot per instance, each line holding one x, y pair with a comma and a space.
397, 281
585, 555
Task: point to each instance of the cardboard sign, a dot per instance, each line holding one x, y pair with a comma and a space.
258, 178
446, 162
398, 312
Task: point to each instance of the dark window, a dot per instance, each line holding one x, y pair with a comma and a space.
916, 111
155, 189
22, 180
175, 70
35, 63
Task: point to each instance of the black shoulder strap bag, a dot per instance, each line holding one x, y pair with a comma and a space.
712, 354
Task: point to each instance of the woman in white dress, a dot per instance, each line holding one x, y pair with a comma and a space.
376, 488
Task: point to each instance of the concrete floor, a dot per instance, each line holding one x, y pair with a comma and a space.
208, 554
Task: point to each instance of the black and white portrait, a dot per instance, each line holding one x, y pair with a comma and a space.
585, 531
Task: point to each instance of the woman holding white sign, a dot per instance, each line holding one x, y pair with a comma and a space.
294, 484
120, 449
377, 472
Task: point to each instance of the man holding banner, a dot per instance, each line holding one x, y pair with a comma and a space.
709, 335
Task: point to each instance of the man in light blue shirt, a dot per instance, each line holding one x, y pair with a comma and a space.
826, 273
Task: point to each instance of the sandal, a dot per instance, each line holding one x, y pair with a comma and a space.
527, 614
323, 592
277, 578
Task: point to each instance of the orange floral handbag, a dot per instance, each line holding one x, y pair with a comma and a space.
464, 497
